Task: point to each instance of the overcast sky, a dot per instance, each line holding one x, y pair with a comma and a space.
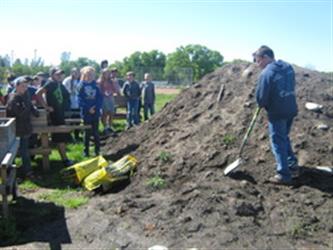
299, 32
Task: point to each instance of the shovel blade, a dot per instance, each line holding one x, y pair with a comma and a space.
233, 166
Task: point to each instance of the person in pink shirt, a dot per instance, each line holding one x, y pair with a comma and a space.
109, 88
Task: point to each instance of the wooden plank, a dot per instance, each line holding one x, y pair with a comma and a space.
7, 134
221, 93
8, 182
40, 151
45, 145
73, 120
58, 129
120, 101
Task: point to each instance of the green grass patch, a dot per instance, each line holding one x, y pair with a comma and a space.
66, 198
156, 182
165, 156
229, 139
162, 99
28, 185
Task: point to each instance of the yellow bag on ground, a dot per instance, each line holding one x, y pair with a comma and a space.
120, 170
80, 170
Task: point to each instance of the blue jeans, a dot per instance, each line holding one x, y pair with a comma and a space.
148, 107
281, 146
132, 112
25, 155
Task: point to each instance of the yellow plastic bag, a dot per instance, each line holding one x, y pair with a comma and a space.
80, 170
120, 170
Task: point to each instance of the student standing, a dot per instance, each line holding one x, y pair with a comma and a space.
90, 102
20, 107
132, 92
148, 95
57, 100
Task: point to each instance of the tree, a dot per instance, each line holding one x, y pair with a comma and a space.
142, 62
198, 58
66, 64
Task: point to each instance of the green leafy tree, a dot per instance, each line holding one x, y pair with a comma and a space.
198, 58
142, 62
66, 64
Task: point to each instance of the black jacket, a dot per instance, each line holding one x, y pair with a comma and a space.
20, 107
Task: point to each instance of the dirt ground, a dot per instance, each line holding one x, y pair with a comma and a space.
160, 90
200, 207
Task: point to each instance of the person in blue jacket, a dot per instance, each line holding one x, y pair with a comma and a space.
90, 102
275, 93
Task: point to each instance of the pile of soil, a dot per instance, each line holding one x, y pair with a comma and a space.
188, 144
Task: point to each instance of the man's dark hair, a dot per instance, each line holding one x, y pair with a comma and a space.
264, 51
103, 63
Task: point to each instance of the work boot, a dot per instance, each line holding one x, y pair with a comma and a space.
293, 168
278, 180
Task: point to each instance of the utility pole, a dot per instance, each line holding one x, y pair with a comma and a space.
35, 55
11, 58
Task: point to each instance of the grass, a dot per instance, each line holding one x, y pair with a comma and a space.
67, 198
162, 99
165, 156
156, 182
229, 139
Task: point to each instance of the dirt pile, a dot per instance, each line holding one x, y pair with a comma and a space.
188, 144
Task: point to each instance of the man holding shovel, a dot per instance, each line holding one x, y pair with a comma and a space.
276, 93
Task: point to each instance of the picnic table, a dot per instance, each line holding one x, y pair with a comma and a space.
44, 134
43, 130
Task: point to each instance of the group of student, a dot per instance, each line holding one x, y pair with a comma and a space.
79, 91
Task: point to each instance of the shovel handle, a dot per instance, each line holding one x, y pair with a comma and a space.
249, 130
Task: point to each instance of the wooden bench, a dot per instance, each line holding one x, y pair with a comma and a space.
120, 103
8, 184
120, 107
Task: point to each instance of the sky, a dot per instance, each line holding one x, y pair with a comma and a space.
299, 32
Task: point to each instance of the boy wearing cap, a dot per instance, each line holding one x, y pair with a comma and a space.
57, 98
20, 107
132, 92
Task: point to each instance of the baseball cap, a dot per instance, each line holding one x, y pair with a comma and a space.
55, 70
22, 79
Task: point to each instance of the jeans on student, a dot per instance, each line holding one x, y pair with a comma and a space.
132, 112
281, 146
94, 132
148, 107
25, 155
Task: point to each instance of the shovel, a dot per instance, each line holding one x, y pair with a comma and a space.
239, 161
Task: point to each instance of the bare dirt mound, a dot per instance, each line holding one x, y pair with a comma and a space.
188, 144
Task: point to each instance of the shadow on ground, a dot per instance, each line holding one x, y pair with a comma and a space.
30, 222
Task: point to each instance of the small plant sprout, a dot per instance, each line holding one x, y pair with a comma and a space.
165, 156
156, 182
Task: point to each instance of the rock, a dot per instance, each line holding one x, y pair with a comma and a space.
244, 183
246, 209
157, 247
323, 127
313, 106
303, 158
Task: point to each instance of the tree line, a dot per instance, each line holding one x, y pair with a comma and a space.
187, 64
